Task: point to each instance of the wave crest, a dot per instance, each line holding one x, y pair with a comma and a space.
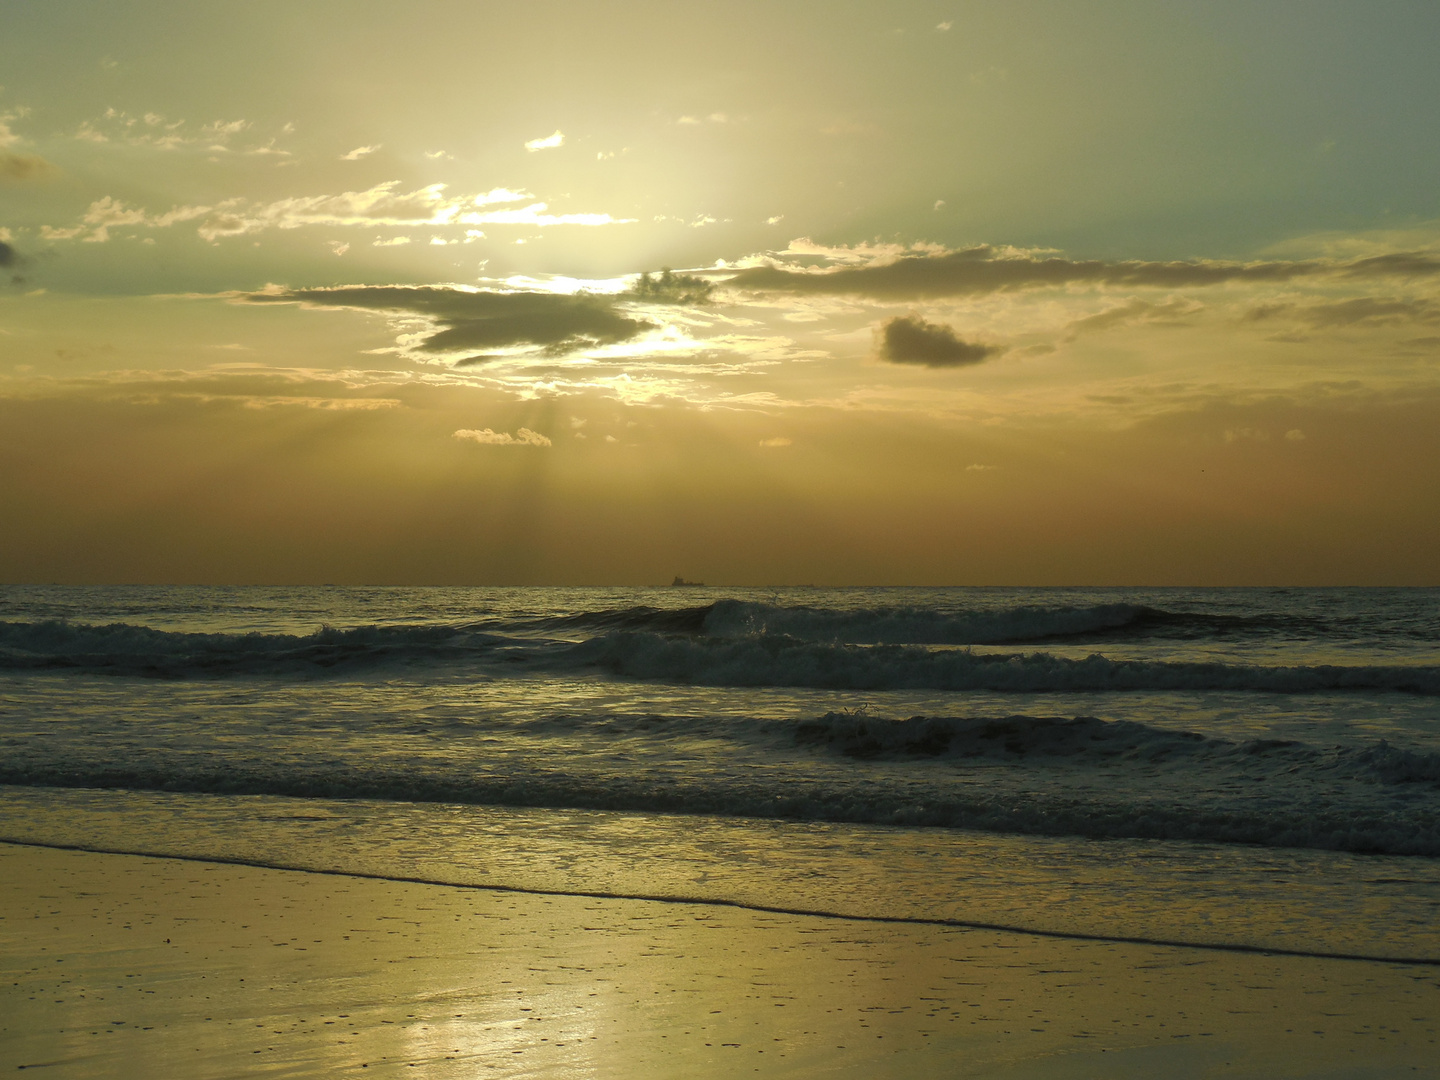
781, 661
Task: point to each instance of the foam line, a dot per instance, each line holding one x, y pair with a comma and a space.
768, 909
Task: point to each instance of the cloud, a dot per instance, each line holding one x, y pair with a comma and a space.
912, 340
360, 152
1174, 312
11, 261
547, 143
775, 443
109, 213
499, 195
19, 167
486, 437
1358, 311
987, 269
382, 206
1246, 434
559, 323
157, 132
23, 167
671, 288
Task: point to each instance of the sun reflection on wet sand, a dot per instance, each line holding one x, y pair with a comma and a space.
122, 966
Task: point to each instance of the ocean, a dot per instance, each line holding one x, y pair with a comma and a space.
1230, 768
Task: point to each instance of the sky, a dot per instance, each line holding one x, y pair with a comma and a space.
989, 293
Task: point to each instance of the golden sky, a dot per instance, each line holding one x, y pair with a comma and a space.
964, 293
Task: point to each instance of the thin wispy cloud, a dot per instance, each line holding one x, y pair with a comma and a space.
359, 152
1357, 311
156, 131
383, 205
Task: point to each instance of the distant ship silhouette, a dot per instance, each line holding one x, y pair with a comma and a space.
681, 581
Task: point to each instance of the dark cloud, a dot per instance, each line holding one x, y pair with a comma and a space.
668, 287
912, 340
986, 269
21, 167
484, 320
11, 261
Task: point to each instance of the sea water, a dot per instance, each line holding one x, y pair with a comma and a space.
1248, 768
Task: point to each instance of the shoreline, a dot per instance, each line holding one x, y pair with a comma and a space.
765, 909
130, 965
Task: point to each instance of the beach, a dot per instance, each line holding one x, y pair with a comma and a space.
657, 833
122, 965
677, 542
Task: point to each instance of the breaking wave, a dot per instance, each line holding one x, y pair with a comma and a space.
1017, 774
909, 625
1015, 625
752, 660
126, 649
782, 661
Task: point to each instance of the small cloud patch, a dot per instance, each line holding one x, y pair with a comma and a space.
486, 437
359, 152
547, 143
911, 340
775, 443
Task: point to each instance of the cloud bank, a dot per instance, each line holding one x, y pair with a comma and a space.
986, 269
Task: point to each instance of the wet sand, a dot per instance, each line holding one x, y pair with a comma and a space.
127, 966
